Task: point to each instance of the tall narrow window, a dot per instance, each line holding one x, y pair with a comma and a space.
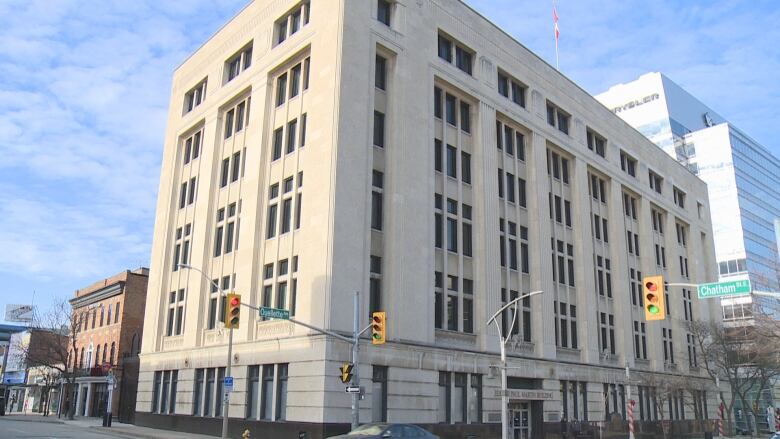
384, 9
379, 129
380, 74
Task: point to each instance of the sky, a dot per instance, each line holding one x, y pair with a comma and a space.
85, 85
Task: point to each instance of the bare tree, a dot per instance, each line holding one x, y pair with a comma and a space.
54, 333
745, 355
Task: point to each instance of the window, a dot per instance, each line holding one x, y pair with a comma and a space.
463, 56
629, 206
607, 332
450, 108
384, 11
437, 97
207, 391
682, 234
511, 88
574, 399
445, 397
270, 230
377, 200
379, 394
598, 188
557, 166
292, 130
668, 345
465, 167
656, 181
603, 276
557, 118
192, 146
565, 325
164, 392
260, 394
658, 221
452, 161
379, 129
175, 324
238, 62
281, 89
277, 143
465, 117
187, 192
632, 243
195, 96
217, 303
640, 341
679, 197
292, 22
181, 252
597, 143
627, 164
375, 284
693, 361
380, 72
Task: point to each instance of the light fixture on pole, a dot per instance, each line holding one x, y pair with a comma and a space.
225, 393
502, 342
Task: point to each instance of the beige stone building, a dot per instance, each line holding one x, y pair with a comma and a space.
447, 169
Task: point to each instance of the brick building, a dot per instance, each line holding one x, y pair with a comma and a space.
109, 322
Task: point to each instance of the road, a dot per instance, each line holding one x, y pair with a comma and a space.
11, 429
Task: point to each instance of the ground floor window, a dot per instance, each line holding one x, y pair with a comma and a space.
266, 392
574, 399
207, 392
460, 398
163, 391
379, 394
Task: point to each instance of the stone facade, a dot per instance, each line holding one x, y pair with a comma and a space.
382, 164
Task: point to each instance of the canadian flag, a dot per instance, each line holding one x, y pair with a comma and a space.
555, 21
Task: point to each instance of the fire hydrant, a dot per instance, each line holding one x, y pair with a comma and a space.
246, 435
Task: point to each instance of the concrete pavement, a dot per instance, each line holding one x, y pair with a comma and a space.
45, 427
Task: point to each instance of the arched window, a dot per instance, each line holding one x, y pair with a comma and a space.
97, 356
108, 316
116, 313
113, 351
102, 315
81, 358
86, 321
105, 351
94, 317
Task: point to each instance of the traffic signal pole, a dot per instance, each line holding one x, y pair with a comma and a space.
355, 360
225, 393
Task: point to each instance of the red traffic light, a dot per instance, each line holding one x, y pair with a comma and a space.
235, 301
651, 286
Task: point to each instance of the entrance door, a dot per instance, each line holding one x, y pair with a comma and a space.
521, 421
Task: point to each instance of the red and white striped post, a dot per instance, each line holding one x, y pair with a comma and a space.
631, 404
720, 419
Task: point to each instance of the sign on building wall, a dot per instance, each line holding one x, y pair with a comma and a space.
19, 313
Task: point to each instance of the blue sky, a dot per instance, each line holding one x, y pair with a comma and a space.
84, 89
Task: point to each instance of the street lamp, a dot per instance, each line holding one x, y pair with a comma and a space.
225, 393
502, 342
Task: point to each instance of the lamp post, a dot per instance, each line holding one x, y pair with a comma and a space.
502, 343
225, 393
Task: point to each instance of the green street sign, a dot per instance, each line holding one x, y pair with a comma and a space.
721, 289
274, 313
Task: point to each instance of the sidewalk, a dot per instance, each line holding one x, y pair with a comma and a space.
116, 430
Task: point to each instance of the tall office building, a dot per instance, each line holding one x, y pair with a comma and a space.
743, 179
415, 153
742, 176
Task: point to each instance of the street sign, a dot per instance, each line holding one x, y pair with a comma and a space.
352, 389
228, 384
721, 289
274, 313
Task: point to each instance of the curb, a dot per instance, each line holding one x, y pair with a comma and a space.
43, 419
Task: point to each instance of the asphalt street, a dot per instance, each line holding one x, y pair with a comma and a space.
10, 429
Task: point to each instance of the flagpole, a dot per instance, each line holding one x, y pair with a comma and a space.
555, 33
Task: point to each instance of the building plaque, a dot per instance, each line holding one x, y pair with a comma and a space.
528, 394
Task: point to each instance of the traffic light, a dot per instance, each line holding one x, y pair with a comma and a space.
346, 372
233, 311
654, 295
378, 327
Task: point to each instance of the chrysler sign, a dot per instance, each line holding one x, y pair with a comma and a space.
636, 103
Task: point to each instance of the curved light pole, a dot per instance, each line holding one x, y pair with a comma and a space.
225, 393
502, 342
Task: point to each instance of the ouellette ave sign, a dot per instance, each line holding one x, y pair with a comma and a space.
722, 289
274, 313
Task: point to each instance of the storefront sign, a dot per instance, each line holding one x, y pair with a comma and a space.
636, 103
528, 394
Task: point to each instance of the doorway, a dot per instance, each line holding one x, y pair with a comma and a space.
521, 421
